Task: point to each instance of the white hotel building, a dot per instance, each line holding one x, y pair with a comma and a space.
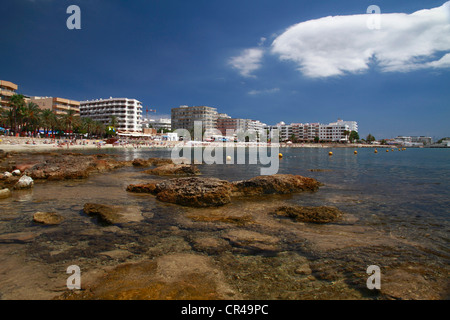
127, 111
332, 132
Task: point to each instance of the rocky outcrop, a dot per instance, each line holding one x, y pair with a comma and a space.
73, 166
143, 188
275, 184
194, 192
213, 192
48, 218
318, 215
174, 170
25, 182
151, 162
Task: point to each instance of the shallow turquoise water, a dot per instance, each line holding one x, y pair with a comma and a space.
405, 194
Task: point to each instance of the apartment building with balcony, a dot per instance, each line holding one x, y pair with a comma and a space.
7, 89
227, 124
184, 117
59, 106
308, 132
127, 111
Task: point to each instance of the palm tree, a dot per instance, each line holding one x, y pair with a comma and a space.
98, 128
47, 120
70, 120
32, 119
17, 103
87, 124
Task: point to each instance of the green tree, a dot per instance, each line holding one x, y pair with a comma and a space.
354, 136
70, 120
87, 125
32, 119
17, 104
47, 120
370, 138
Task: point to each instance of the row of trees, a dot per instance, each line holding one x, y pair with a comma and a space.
25, 117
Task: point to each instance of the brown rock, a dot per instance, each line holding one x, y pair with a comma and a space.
319, 215
50, 218
252, 240
141, 163
143, 188
275, 184
213, 192
5, 193
159, 161
177, 276
174, 170
194, 192
109, 214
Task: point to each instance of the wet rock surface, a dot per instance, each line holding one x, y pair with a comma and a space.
194, 192
174, 170
321, 214
48, 218
213, 192
109, 214
275, 184
73, 166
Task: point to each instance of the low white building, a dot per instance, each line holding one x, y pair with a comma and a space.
127, 111
158, 123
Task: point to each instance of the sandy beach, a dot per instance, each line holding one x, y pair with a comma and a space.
25, 144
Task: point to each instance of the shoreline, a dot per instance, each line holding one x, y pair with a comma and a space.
15, 144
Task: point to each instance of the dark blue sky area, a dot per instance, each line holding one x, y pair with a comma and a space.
167, 53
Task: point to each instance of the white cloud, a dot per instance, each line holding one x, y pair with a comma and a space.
265, 91
248, 61
333, 46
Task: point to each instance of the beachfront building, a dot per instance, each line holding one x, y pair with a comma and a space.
7, 89
127, 111
59, 106
413, 141
227, 124
255, 125
184, 117
337, 132
158, 124
309, 132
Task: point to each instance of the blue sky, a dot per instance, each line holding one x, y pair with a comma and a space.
240, 57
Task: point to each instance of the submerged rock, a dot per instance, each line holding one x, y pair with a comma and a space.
143, 188
251, 240
319, 215
109, 214
174, 170
49, 218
